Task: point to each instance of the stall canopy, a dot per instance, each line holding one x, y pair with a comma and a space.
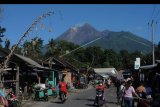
148, 66
105, 72
158, 61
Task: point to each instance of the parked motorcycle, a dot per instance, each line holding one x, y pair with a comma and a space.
40, 94
12, 100
80, 85
99, 100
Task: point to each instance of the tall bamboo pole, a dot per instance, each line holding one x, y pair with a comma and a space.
22, 37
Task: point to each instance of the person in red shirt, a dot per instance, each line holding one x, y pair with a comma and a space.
63, 87
100, 87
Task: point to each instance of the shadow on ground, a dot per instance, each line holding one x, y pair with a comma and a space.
90, 105
110, 102
88, 99
57, 102
93, 105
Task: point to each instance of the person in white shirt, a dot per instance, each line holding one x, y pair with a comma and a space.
128, 94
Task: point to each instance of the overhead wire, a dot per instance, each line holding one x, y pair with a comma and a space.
81, 46
152, 13
157, 14
137, 41
148, 29
152, 21
156, 20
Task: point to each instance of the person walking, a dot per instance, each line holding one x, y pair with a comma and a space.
117, 84
141, 91
129, 91
121, 91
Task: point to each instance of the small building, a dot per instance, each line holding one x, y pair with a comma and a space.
21, 70
151, 74
62, 67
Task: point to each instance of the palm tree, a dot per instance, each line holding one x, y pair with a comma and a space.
7, 44
33, 48
2, 30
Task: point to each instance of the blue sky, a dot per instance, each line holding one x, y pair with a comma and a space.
17, 18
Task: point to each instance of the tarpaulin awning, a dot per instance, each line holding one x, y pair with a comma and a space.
106, 71
148, 66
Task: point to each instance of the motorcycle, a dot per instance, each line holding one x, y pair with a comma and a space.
144, 103
40, 94
99, 100
81, 85
62, 96
12, 100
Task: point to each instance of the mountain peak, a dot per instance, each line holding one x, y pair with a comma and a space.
82, 27
79, 33
87, 24
85, 33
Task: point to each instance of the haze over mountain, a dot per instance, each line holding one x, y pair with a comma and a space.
80, 34
106, 39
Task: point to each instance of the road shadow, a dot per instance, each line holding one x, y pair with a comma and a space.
80, 99
90, 99
111, 102
86, 99
57, 102
93, 105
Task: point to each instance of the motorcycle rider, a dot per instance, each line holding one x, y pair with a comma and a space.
101, 88
63, 87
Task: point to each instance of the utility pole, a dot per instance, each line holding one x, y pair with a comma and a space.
153, 55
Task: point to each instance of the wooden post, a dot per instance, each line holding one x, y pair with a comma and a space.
39, 80
2, 80
153, 54
17, 81
0, 76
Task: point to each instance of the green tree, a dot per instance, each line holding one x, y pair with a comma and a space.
51, 46
33, 48
148, 59
7, 43
126, 60
111, 57
94, 56
2, 30
18, 50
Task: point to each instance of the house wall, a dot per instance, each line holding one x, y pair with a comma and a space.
68, 77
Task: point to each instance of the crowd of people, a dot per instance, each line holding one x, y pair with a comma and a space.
128, 93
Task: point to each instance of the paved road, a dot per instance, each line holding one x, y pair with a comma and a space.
84, 98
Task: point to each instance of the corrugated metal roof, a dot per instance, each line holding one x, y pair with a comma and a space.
29, 61
148, 66
158, 61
